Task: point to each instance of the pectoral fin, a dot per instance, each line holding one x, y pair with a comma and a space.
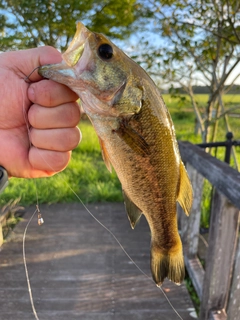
105, 155
185, 193
133, 139
134, 213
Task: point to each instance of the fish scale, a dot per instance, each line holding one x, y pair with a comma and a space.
137, 139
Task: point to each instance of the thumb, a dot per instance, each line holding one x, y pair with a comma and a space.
26, 61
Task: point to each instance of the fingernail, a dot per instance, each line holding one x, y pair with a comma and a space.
31, 93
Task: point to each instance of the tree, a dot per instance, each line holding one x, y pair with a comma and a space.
198, 41
30, 23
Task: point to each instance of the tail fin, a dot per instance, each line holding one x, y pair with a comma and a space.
167, 264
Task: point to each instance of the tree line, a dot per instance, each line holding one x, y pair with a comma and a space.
235, 89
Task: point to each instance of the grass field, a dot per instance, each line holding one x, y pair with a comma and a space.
184, 118
87, 174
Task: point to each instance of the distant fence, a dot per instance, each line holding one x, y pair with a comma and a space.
228, 144
218, 286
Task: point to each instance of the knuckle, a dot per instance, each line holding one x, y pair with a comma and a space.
74, 114
32, 136
71, 114
72, 139
32, 116
60, 160
42, 93
76, 137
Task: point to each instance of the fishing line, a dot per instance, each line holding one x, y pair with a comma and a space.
92, 215
40, 220
120, 245
124, 250
26, 269
26, 79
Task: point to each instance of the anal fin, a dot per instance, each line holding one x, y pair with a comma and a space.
185, 192
134, 213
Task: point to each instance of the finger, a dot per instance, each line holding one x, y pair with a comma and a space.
64, 116
48, 162
50, 93
56, 139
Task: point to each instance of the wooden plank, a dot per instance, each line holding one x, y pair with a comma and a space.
223, 234
196, 273
233, 308
1, 235
190, 225
218, 315
190, 231
78, 270
3, 220
223, 177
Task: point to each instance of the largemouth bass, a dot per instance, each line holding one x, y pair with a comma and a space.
137, 139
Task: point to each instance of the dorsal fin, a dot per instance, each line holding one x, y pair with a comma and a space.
134, 213
185, 192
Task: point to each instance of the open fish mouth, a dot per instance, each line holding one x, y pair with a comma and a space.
75, 50
75, 61
70, 57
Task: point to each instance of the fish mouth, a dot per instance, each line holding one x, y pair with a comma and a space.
74, 71
75, 50
64, 72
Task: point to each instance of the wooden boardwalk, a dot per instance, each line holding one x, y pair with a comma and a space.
78, 271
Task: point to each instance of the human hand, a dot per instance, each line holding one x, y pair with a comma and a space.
48, 109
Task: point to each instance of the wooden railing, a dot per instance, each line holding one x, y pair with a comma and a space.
3, 222
218, 285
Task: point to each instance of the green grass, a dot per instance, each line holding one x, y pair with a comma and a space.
206, 204
87, 174
195, 299
184, 118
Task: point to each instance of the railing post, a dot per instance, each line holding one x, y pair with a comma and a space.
222, 241
1, 234
220, 280
190, 231
228, 150
190, 225
233, 309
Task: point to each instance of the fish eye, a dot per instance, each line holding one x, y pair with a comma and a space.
105, 51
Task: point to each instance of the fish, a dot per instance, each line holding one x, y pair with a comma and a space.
137, 139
